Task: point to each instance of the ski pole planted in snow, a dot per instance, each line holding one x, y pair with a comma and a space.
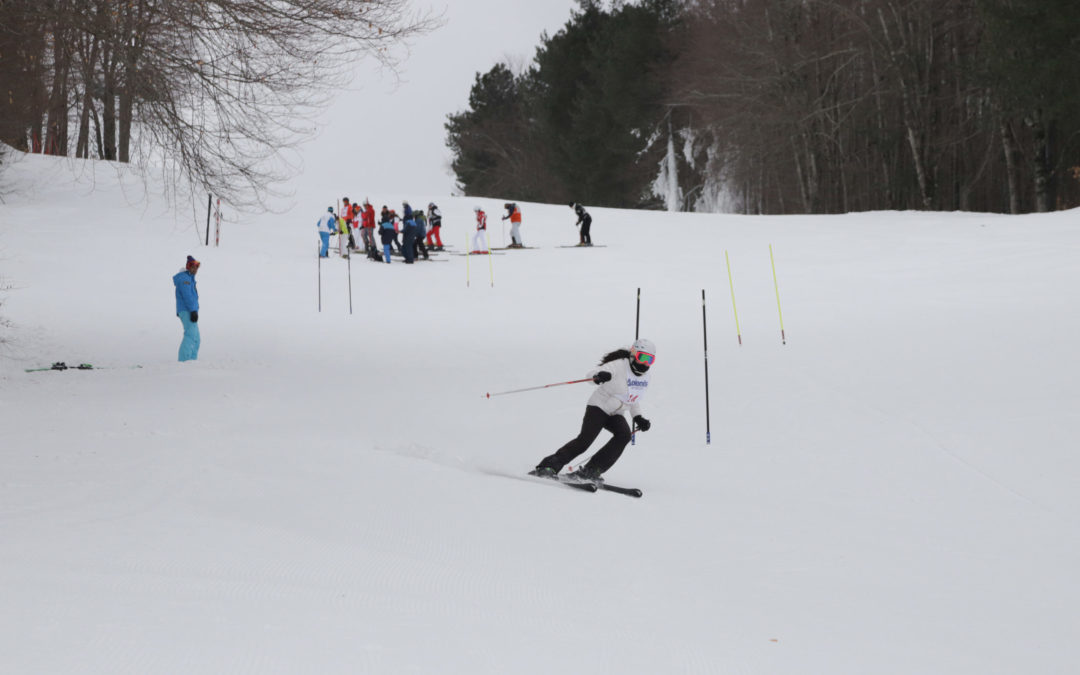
637, 325
320, 281
348, 260
731, 283
705, 341
637, 320
544, 386
783, 338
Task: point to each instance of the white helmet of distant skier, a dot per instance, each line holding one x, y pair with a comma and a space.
642, 355
476, 208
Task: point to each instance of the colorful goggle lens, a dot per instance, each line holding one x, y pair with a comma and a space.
644, 358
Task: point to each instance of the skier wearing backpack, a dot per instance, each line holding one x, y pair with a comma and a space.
623, 379
584, 221
513, 213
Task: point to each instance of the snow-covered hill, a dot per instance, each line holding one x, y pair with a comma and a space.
892, 491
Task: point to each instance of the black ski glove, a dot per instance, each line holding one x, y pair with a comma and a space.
642, 423
601, 377
194, 317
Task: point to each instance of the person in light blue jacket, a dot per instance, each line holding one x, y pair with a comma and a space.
187, 308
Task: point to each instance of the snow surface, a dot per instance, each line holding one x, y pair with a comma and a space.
892, 491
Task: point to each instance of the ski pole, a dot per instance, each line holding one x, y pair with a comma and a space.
544, 386
637, 325
783, 338
349, 261
320, 279
705, 341
637, 320
735, 309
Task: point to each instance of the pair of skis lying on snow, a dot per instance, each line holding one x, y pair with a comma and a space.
589, 486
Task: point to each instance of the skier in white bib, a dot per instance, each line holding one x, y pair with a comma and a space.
623, 377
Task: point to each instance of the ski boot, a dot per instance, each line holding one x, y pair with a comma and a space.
544, 472
586, 475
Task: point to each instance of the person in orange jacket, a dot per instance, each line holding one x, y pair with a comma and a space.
347, 223
514, 214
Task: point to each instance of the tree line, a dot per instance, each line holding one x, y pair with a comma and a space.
787, 106
213, 90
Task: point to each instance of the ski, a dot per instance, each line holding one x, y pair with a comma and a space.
563, 479
513, 248
60, 365
629, 492
582, 246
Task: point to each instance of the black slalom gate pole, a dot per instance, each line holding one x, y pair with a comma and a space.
209, 206
705, 340
637, 326
637, 321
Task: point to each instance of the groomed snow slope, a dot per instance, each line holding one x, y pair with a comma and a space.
892, 492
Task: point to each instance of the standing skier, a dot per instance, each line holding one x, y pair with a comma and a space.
481, 231
386, 231
367, 226
187, 308
408, 249
421, 232
327, 225
435, 221
584, 220
513, 213
623, 378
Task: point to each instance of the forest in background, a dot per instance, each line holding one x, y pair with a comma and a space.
786, 106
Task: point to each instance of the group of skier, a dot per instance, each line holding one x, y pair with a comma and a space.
420, 231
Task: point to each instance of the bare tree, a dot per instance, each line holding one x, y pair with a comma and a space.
214, 90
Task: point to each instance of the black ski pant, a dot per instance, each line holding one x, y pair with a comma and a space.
586, 223
595, 421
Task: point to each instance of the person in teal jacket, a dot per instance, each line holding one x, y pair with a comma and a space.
187, 308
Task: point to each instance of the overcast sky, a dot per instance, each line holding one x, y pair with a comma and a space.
387, 135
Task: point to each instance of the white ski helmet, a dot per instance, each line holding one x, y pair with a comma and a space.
642, 354
476, 208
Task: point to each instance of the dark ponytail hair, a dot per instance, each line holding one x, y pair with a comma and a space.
615, 356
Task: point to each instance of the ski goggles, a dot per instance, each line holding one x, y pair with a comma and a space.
644, 358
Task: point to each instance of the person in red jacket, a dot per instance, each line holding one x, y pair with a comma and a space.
367, 225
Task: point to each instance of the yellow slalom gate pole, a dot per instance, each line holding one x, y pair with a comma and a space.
783, 338
467, 256
731, 283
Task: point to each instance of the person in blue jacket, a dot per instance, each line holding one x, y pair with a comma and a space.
386, 232
408, 249
187, 308
327, 225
